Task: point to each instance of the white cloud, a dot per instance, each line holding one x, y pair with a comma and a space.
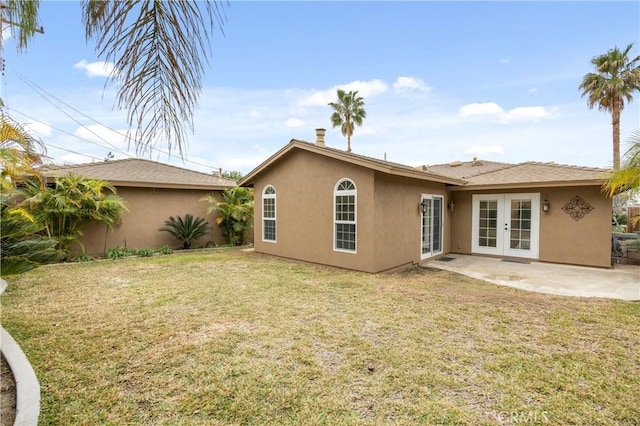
504, 60
490, 149
405, 84
527, 113
295, 122
241, 163
38, 129
95, 69
364, 88
102, 135
533, 90
480, 109
495, 111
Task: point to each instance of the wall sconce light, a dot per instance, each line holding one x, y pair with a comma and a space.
424, 205
545, 206
451, 206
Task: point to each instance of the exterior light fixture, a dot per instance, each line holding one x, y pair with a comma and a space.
545, 206
424, 205
451, 206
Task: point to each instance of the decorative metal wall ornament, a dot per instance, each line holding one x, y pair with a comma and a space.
577, 208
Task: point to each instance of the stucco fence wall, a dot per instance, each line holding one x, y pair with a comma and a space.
148, 209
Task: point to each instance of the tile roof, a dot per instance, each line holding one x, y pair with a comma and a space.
361, 160
135, 172
465, 169
532, 172
476, 174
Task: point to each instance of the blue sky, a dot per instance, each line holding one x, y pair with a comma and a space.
442, 81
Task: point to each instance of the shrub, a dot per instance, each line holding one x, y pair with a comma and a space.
186, 230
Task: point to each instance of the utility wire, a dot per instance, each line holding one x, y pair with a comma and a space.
57, 128
40, 91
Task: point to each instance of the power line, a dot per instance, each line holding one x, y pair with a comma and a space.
60, 130
40, 91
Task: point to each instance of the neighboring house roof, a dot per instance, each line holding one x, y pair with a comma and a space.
135, 172
360, 160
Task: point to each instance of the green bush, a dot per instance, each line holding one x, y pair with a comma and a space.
186, 230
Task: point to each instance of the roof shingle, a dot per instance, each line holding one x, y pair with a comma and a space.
135, 172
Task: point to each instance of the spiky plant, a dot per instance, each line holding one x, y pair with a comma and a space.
186, 230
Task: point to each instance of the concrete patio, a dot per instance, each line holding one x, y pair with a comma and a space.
619, 282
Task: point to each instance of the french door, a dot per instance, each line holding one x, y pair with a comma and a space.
431, 225
506, 224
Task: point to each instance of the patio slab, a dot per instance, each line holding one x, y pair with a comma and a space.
620, 282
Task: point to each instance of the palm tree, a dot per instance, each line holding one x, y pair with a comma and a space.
626, 178
186, 230
159, 49
19, 151
348, 112
71, 202
235, 212
613, 83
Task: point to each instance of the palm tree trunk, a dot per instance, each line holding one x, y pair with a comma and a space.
615, 122
348, 143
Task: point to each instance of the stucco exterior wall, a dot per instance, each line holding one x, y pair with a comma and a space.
397, 219
562, 239
304, 185
583, 242
148, 209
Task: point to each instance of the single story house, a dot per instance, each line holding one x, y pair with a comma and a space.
152, 191
328, 206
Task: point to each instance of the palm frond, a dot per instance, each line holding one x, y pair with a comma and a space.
159, 49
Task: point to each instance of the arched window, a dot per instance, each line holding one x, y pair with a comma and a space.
269, 214
344, 219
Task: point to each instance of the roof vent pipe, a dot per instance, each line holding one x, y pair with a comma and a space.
320, 137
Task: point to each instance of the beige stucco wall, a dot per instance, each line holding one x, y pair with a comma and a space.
304, 185
388, 218
148, 209
562, 239
397, 219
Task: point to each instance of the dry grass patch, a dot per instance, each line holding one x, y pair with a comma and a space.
232, 338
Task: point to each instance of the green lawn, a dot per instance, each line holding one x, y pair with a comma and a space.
226, 337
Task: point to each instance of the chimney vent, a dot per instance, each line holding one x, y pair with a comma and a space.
320, 137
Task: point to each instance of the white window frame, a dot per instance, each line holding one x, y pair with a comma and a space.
351, 192
270, 196
442, 219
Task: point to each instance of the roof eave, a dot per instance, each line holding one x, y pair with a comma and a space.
516, 185
343, 156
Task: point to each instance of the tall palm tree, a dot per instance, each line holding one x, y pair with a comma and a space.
613, 83
348, 112
628, 176
159, 49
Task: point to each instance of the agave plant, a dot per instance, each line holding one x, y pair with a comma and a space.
186, 230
